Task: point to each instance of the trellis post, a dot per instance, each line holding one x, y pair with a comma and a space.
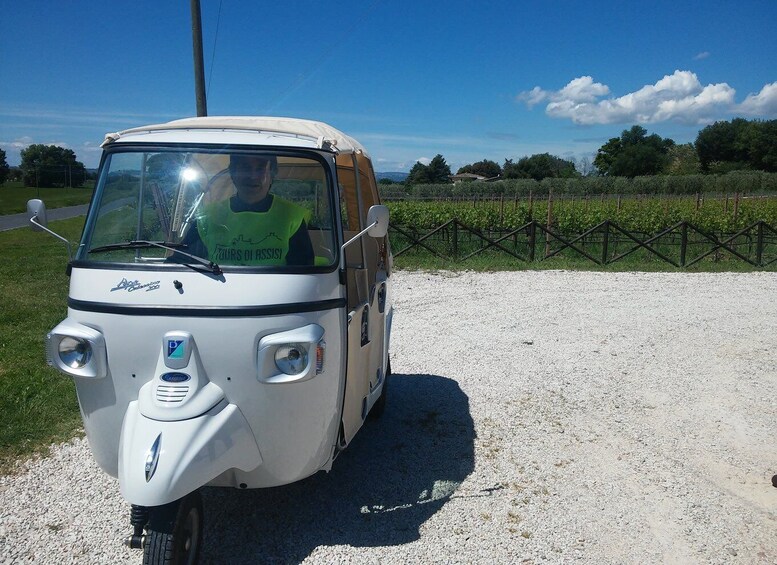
455, 243
683, 243
606, 242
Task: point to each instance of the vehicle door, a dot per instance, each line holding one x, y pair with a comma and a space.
366, 291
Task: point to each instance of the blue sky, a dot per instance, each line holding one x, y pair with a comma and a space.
409, 79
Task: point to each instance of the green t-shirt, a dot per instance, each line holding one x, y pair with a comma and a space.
249, 237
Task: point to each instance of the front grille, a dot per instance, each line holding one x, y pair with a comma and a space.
171, 394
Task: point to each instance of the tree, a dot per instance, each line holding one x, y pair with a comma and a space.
633, 154
738, 144
584, 166
15, 174
4, 169
723, 142
485, 168
762, 146
683, 160
540, 166
51, 165
437, 171
419, 174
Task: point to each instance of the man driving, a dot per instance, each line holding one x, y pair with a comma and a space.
253, 227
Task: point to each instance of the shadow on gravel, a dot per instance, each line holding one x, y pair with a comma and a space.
395, 475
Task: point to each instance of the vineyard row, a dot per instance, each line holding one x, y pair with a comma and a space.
721, 214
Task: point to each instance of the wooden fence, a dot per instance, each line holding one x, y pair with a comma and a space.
681, 245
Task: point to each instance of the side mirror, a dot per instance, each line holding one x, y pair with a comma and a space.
378, 215
36, 211
377, 219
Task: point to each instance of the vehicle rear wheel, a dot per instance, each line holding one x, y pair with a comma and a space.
380, 404
174, 532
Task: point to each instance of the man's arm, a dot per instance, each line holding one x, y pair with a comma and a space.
192, 244
300, 248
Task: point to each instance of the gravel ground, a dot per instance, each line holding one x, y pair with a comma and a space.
533, 417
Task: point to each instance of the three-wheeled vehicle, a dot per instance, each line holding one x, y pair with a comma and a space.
220, 342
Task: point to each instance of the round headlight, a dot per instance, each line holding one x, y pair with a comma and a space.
75, 352
291, 358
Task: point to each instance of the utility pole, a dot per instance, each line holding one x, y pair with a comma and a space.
199, 67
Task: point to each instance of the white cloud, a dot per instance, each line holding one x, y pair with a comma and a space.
424, 160
18, 143
583, 89
702, 55
677, 97
87, 152
762, 104
82, 118
534, 96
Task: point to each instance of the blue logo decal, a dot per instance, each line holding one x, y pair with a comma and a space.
175, 377
175, 349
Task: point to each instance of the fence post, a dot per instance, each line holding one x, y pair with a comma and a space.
736, 207
683, 243
550, 219
759, 246
606, 242
532, 239
455, 239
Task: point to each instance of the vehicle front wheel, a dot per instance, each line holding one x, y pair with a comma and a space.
174, 532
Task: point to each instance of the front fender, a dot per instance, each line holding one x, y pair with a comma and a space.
160, 462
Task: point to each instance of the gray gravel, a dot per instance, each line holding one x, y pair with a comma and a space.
533, 417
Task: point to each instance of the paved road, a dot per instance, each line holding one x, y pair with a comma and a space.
14, 221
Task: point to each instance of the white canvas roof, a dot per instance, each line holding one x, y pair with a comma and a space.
323, 134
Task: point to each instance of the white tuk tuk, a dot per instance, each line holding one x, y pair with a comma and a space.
217, 339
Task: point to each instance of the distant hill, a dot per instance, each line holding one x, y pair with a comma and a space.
396, 177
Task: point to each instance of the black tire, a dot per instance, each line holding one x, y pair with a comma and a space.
174, 532
380, 404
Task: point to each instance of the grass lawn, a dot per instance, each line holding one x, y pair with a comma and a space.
37, 404
14, 196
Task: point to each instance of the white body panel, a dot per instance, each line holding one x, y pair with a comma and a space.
154, 288
191, 453
304, 415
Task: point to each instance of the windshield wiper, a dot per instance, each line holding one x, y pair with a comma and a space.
169, 245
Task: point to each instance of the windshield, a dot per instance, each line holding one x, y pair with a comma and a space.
239, 208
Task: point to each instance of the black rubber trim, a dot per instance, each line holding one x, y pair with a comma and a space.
206, 311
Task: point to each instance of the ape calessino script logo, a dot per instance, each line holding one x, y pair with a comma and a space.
132, 286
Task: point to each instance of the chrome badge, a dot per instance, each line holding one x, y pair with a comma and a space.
152, 458
177, 348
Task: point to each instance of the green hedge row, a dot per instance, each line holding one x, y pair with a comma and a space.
743, 182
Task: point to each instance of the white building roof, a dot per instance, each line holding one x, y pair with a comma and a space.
323, 135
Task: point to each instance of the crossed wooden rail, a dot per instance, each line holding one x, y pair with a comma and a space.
760, 235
